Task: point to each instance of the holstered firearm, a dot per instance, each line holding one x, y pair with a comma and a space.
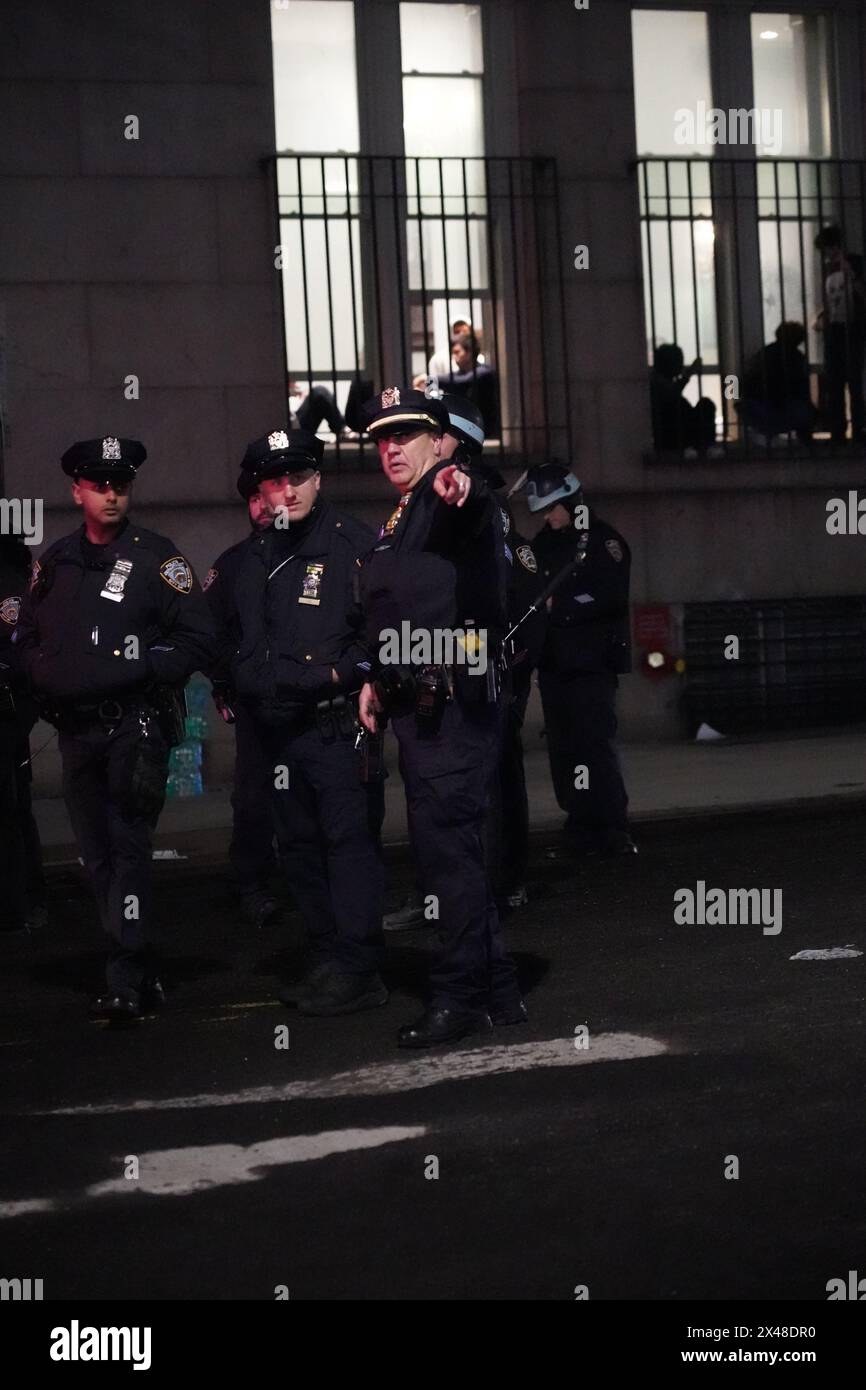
169, 706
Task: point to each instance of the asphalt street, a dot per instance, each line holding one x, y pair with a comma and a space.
308, 1169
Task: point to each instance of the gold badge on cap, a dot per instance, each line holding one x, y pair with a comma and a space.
278, 440
110, 449
390, 396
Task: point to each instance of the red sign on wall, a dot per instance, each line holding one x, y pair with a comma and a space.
652, 625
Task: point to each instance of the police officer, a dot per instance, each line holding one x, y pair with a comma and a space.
586, 649
112, 626
251, 852
21, 902
297, 665
508, 820
438, 571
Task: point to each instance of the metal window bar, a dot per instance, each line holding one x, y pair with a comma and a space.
757, 223
802, 663
481, 232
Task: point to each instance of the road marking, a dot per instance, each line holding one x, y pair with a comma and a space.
385, 1078
180, 1172
201, 1168
26, 1206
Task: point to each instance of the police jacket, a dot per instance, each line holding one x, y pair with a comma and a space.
525, 582
588, 622
220, 585
296, 602
14, 578
102, 622
437, 567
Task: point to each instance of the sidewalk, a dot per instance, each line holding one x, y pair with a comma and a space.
663, 780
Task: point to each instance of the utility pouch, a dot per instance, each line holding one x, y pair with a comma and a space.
431, 695
149, 770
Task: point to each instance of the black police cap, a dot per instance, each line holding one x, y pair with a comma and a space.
108, 458
465, 421
247, 484
399, 411
282, 450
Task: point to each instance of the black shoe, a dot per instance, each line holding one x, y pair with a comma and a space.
152, 995
259, 908
409, 915
310, 982
117, 1008
619, 843
344, 994
442, 1026
37, 917
518, 897
508, 1011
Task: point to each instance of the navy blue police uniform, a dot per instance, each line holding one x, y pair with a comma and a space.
107, 636
297, 664
587, 647
439, 569
251, 851
508, 819
21, 872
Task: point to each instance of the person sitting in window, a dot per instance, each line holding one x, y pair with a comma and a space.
441, 363
775, 395
677, 424
313, 406
476, 380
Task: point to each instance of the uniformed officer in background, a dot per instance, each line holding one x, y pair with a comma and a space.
507, 832
297, 665
586, 649
22, 902
438, 568
251, 852
112, 626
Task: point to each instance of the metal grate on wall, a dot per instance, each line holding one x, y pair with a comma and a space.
801, 663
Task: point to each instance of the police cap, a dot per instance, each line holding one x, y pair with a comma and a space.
280, 452
400, 411
548, 483
247, 484
115, 460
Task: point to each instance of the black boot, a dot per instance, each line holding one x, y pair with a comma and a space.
438, 1025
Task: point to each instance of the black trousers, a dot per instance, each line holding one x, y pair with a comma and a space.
115, 842
580, 721
320, 405
447, 777
843, 365
251, 852
328, 826
13, 864
507, 835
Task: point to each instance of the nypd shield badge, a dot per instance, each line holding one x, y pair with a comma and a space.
614, 549
527, 558
177, 574
9, 610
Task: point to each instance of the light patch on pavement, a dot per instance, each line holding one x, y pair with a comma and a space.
385, 1078
179, 1172
25, 1206
182, 1172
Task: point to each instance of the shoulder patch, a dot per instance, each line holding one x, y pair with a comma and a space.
527, 558
34, 574
212, 574
614, 549
177, 574
506, 521
9, 610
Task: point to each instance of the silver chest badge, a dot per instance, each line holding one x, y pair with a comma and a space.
116, 581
